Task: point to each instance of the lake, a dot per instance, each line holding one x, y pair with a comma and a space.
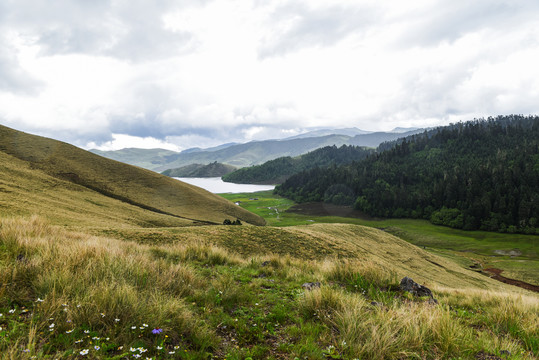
218, 186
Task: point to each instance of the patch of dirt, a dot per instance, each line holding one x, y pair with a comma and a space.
496, 275
323, 209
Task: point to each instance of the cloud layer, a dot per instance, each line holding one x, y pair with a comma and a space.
180, 74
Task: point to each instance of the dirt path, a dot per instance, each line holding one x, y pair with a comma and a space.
496, 275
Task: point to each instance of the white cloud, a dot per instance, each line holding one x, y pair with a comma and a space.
185, 74
121, 141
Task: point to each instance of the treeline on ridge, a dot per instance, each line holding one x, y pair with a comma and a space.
278, 170
482, 174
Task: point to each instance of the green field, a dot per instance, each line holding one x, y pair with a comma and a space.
464, 247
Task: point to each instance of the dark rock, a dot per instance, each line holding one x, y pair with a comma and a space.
311, 285
21, 258
486, 356
414, 288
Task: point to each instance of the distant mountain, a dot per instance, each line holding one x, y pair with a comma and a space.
248, 154
215, 148
404, 129
69, 185
144, 158
213, 169
325, 132
376, 138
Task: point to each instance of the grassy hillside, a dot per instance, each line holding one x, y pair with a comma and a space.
40, 166
68, 295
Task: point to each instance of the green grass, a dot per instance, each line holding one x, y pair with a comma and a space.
464, 247
66, 295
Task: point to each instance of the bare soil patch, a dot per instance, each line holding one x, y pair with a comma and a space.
496, 275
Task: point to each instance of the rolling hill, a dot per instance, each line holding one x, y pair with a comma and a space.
61, 181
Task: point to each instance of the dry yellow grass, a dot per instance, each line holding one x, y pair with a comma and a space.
83, 171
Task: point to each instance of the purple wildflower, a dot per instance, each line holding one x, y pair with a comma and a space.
157, 331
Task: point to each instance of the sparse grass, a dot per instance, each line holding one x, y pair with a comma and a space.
105, 296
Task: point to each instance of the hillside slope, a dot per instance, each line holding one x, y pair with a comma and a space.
61, 167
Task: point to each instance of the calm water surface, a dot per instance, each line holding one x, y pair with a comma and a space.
218, 186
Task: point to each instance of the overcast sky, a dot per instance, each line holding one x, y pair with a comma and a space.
178, 73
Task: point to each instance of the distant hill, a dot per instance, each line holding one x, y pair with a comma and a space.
213, 169
71, 185
481, 174
248, 154
145, 158
278, 170
325, 132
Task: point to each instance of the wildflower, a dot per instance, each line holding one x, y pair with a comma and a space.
1, 314
39, 300
159, 347
157, 331
176, 347
51, 319
133, 327
69, 331
78, 305
95, 338
86, 331
78, 341
107, 339
65, 309
97, 348
84, 352
137, 355
145, 325
132, 349
142, 350
141, 328
102, 315
51, 325
64, 305
172, 352
116, 320
11, 311
26, 350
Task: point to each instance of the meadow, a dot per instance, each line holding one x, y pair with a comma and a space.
71, 295
488, 249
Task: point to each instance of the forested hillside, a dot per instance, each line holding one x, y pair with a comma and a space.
482, 174
213, 169
278, 170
